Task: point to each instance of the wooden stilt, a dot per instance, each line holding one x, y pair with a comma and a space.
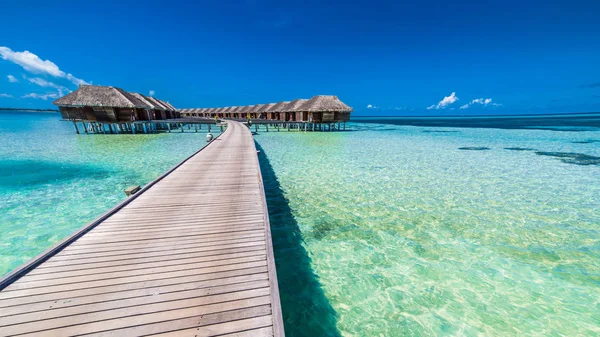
76, 128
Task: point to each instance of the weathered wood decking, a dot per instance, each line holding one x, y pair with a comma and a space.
190, 255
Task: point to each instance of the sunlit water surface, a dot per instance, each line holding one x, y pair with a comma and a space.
384, 230
410, 235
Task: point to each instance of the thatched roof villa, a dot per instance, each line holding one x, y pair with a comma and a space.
275, 112
325, 109
153, 112
111, 104
291, 112
101, 103
262, 111
318, 109
244, 111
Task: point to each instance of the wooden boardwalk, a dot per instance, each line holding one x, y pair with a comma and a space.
189, 255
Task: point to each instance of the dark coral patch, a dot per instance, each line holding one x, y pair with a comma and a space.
474, 148
572, 158
589, 141
439, 131
519, 149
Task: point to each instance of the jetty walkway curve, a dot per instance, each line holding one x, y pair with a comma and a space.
188, 255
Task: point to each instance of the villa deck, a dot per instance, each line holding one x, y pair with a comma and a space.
188, 255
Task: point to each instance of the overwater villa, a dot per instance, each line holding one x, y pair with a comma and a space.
112, 104
98, 108
318, 109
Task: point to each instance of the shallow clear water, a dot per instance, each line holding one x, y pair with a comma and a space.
53, 181
409, 235
387, 230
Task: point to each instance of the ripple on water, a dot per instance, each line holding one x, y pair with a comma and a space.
408, 236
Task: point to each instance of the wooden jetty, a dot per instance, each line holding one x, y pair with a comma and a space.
188, 255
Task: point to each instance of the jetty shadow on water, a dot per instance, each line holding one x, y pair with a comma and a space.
306, 311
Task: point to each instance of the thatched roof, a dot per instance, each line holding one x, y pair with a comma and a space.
294, 105
265, 107
95, 95
156, 103
220, 110
278, 107
236, 109
255, 108
145, 100
246, 109
323, 103
167, 106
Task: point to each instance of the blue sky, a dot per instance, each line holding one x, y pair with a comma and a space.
380, 57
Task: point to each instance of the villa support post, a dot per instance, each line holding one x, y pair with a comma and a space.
76, 129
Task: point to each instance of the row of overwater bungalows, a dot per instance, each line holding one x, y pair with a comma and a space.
111, 104
319, 109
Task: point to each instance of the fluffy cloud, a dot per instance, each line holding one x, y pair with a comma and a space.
482, 101
33, 64
6, 95
12, 79
152, 92
40, 96
447, 100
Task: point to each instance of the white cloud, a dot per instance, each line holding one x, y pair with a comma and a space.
43, 83
12, 79
447, 100
6, 95
33, 64
40, 96
46, 84
152, 92
482, 101
369, 106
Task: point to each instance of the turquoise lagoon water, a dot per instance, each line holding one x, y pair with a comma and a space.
407, 234
385, 230
53, 181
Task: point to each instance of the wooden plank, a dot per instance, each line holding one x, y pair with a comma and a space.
66, 302
216, 254
189, 254
131, 321
130, 313
45, 281
23, 289
129, 302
